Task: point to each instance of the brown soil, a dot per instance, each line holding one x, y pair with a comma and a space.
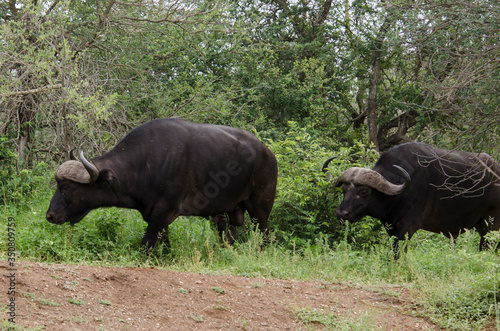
106, 298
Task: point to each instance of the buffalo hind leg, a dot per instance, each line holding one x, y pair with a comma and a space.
227, 224
259, 211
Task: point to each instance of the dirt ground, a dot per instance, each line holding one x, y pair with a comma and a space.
76, 297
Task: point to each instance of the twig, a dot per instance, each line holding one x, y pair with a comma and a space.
32, 91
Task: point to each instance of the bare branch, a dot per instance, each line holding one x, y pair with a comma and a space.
51, 8
371, 109
324, 13
32, 91
487, 167
12, 7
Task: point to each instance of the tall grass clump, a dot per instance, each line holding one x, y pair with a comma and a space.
458, 285
104, 235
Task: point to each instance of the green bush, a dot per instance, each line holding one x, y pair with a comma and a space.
306, 200
18, 185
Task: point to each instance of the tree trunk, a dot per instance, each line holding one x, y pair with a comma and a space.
374, 80
24, 140
25, 111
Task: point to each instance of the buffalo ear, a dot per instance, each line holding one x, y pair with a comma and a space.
106, 178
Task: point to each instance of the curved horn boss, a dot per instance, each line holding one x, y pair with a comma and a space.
371, 178
82, 172
91, 169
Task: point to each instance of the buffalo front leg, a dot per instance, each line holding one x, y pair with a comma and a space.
399, 236
153, 236
157, 230
226, 230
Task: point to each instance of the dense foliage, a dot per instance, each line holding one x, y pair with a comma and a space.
81, 74
312, 79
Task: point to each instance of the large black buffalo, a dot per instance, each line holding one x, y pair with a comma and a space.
171, 167
416, 186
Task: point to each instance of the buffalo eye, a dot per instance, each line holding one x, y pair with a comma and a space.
65, 192
65, 195
363, 192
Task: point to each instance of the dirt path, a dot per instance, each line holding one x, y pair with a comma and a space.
76, 297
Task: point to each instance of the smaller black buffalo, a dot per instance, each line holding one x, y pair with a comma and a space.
416, 186
171, 167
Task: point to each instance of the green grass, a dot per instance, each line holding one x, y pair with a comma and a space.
105, 302
197, 318
7, 326
47, 302
218, 290
454, 284
311, 318
76, 302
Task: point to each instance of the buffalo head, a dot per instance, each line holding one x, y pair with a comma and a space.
364, 189
79, 188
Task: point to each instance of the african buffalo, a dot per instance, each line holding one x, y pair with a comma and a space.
416, 186
171, 167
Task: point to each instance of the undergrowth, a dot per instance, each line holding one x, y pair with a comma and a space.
454, 284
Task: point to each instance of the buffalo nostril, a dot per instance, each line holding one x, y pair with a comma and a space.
49, 216
342, 213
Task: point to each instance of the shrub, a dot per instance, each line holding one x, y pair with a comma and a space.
17, 186
306, 200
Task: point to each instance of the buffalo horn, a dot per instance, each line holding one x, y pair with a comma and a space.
91, 169
325, 165
371, 178
327, 162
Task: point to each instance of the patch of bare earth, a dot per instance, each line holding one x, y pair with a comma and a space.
77, 297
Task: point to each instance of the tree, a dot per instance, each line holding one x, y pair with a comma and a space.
377, 53
433, 65
459, 67
74, 73
65, 66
